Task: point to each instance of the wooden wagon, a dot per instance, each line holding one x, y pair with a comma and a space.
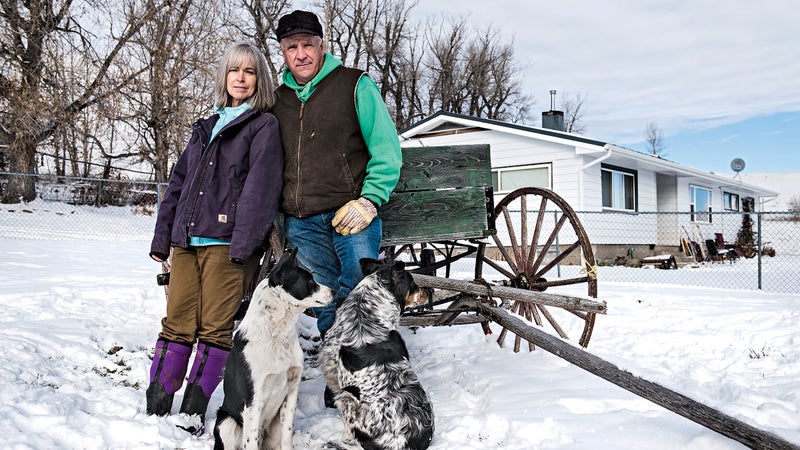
442, 216
442, 212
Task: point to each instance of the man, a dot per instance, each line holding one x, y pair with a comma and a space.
342, 159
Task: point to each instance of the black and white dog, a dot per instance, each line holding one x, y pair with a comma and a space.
366, 363
262, 374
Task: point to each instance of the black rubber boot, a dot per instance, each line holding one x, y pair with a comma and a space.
159, 401
166, 375
194, 400
204, 377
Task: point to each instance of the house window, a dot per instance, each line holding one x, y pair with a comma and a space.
511, 178
730, 201
700, 204
619, 188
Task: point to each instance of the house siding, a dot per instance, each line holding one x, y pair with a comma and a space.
576, 163
508, 150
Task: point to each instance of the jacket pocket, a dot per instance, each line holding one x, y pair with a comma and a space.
347, 174
233, 201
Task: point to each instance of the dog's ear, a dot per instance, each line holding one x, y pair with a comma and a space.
278, 274
398, 266
370, 265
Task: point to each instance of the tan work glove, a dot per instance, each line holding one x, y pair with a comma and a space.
354, 216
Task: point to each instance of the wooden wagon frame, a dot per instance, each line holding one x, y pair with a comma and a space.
442, 212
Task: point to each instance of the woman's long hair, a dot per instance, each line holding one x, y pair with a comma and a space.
236, 55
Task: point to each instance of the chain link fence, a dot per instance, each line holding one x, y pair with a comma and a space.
756, 250
627, 246
82, 209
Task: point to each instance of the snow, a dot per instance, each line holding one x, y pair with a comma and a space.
80, 313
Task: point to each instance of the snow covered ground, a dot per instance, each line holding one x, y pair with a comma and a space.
79, 316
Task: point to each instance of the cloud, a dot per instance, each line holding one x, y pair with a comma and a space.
684, 65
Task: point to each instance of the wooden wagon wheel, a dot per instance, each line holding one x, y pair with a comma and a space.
536, 231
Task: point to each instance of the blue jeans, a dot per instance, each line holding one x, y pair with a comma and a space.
331, 258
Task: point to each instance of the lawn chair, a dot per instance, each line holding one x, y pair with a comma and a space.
732, 250
715, 254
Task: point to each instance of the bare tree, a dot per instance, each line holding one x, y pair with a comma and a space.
72, 145
258, 24
445, 67
84, 83
347, 24
478, 77
493, 82
655, 140
573, 113
385, 34
408, 106
418, 74
32, 35
180, 48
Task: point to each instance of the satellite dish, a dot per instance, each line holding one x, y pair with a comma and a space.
737, 165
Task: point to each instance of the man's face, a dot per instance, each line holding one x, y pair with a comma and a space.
303, 55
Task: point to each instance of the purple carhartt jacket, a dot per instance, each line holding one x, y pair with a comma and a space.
228, 189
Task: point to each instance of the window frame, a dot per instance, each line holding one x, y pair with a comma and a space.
497, 173
695, 214
634, 174
726, 196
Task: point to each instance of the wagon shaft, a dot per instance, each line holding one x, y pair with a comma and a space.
561, 301
678, 403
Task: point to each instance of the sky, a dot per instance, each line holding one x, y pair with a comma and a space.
721, 79
80, 313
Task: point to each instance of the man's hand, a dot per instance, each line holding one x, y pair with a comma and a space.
354, 216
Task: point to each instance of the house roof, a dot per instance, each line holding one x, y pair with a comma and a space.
444, 123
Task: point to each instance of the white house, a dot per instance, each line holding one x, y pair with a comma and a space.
596, 176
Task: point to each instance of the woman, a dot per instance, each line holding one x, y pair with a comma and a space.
220, 203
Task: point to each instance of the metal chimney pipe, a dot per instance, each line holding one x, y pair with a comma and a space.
553, 119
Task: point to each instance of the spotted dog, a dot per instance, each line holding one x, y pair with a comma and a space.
262, 374
366, 364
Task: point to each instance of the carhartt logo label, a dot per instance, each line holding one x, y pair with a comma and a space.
222, 218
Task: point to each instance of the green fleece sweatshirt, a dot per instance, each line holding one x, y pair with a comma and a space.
377, 128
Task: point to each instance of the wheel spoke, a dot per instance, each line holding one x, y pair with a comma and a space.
535, 238
502, 337
523, 216
556, 260
506, 257
549, 243
552, 321
499, 268
512, 237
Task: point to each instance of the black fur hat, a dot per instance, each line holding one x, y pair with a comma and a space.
298, 22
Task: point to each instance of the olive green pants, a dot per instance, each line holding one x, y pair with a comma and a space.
205, 291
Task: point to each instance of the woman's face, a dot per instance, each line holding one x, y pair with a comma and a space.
241, 82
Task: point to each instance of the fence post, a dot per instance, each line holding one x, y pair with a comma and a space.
758, 246
99, 194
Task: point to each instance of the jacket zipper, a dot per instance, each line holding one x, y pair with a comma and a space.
202, 168
199, 177
299, 141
